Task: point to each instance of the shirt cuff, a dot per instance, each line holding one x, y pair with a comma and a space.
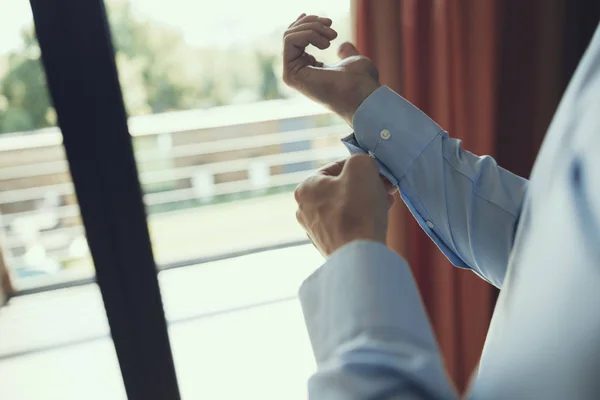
364, 288
393, 130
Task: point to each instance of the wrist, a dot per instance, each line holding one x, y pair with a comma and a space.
361, 94
364, 233
353, 241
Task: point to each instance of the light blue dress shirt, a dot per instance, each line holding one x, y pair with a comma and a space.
538, 240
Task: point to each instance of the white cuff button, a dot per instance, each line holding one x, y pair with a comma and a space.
385, 134
429, 224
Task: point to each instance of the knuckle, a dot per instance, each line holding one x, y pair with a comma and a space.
368, 65
302, 191
320, 185
372, 70
298, 193
317, 187
299, 216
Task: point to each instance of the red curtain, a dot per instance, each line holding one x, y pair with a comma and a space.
490, 72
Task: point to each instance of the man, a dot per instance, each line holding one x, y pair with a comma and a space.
538, 240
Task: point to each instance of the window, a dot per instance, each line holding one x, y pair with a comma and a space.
219, 142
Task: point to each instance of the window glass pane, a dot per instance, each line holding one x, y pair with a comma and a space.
220, 144
55, 344
41, 236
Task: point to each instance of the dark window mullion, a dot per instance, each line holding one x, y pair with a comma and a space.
78, 57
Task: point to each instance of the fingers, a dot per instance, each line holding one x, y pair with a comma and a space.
332, 169
321, 176
360, 165
312, 61
307, 29
335, 169
294, 43
303, 18
297, 19
389, 187
346, 50
316, 26
363, 169
311, 186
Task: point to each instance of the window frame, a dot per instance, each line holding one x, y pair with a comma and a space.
78, 59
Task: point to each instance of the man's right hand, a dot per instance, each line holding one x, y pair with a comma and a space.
341, 87
343, 202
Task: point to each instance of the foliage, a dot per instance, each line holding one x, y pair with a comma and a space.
24, 102
158, 72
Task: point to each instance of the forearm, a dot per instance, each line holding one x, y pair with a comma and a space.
468, 205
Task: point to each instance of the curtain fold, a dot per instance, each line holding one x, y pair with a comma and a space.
491, 73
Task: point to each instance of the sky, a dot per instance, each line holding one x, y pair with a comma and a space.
214, 22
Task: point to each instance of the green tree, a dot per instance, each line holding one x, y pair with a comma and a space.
151, 60
25, 97
158, 71
156, 55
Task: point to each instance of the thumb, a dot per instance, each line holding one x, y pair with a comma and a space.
346, 50
359, 166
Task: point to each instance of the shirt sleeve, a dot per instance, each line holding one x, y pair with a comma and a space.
369, 331
468, 205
